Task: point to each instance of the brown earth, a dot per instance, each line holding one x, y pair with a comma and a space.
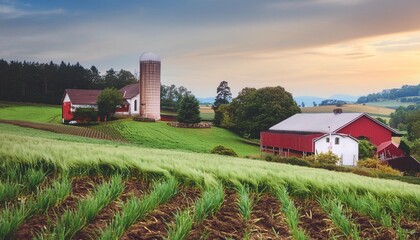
413, 228
227, 223
267, 220
370, 229
314, 221
154, 226
132, 187
81, 187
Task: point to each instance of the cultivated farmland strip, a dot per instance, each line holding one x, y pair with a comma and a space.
313, 220
12, 218
86, 210
226, 223
133, 186
136, 208
267, 220
154, 226
80, 188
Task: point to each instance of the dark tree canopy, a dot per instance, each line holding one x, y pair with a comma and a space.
255, 110
108, 100
170, 96
224, 96
46, 82
188, 110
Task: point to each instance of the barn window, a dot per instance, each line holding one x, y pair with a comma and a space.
327, 139
135, 105
337, 141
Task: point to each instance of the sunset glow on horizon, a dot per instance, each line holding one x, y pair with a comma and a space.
309, 47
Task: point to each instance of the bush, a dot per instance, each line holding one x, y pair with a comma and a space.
288, 160
364, 172
377, 165
222, 150
86, 115
324, 158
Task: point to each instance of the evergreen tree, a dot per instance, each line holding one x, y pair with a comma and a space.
108, 100
224, 96
188, 110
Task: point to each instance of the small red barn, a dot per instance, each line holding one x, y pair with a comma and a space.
389, 150
296, 135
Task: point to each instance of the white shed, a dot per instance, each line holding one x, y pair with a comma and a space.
344, 146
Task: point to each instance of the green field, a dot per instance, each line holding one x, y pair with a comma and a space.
82, 183
162, 184
33, 113
390, 104
160, 135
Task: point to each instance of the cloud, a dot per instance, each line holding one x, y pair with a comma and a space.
8, 11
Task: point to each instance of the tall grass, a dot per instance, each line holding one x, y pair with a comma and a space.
12, 218
291, 212
245, 202
334, 209
182, 225
137, 208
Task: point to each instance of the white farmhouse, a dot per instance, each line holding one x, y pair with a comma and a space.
344, 146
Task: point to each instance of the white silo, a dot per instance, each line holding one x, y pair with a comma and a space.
150, 86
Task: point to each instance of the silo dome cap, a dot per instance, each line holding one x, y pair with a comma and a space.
149, 56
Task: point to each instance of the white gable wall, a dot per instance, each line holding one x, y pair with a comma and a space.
347, 148
131, 101
66, 98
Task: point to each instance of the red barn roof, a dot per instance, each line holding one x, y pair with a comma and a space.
83, 96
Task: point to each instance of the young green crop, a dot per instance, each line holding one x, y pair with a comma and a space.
136, 208
291, 212
245, 202
208, 204
8, 191
66, 226
12, 218
334, 209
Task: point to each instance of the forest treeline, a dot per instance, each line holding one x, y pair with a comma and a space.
392, 94
45, 82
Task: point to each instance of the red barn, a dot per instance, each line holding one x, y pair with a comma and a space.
296, 135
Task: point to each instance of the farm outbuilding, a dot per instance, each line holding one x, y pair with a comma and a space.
310, 133
142, 98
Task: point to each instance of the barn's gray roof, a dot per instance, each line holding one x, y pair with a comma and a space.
130, 91
320, 122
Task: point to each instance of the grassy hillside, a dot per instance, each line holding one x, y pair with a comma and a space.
160, 135
390, 104
154, 135
372, 110
32, 113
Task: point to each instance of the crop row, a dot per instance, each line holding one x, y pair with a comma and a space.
70, 130
63, 209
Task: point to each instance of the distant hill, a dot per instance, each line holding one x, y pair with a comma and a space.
372, 110
309, 100
403, 93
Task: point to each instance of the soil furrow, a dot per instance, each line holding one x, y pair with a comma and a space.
370, 229
267, 221
314, 221
413, 228
154, 226
81, 187
227, 223
132, 187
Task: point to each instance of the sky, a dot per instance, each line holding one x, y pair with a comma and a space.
309, 47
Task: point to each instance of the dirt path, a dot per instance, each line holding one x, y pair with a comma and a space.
81, 187
314, 221
227, 223
154, 226
267, 220
132, 187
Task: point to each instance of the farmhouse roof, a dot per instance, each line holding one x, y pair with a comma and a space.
321, 122
130, 91
83, 96
384, 145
